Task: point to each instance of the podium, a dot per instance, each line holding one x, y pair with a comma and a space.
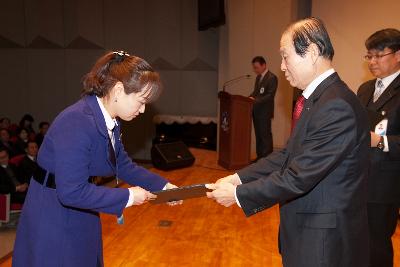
234, 130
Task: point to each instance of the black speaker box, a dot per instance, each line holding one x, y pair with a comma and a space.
168, 156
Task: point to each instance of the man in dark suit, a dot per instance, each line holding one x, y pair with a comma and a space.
10, 181
319, 179
43, 127
382, 96
263, 106
28, 165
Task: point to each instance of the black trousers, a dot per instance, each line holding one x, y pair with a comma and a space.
382, 221
262, 129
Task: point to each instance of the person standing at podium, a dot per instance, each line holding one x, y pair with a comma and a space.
263, 107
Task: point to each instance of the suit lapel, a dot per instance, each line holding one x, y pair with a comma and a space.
309, 103
388, 94
367, 96
264, 78
94, 109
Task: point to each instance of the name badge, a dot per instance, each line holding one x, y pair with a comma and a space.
381, 127
262, 90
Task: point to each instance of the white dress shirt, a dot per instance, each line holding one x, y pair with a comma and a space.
306, 93
110, 124
263, 74
386, 82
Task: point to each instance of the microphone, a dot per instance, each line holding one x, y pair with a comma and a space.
247, 76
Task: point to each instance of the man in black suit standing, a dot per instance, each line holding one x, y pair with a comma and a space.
263, 106
382, 96
319, 178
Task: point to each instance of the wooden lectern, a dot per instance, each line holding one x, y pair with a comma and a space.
234, 130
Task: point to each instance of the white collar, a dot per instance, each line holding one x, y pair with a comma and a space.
317, 81
110, 122
31, 158
263, 74
388, 79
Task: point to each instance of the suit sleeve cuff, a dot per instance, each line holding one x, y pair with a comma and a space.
131, 198
386, 143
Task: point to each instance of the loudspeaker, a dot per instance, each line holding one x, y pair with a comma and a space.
168, 156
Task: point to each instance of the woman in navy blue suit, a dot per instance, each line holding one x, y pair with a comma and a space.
60, 224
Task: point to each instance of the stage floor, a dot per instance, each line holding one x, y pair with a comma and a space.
198, 233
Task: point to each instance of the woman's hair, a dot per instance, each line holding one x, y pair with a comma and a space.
133, 72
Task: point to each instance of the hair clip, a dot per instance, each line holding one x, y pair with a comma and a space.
120, 55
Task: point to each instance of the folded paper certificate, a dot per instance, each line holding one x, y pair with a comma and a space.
180, 193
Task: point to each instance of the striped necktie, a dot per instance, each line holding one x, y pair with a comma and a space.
111, 150
379, 88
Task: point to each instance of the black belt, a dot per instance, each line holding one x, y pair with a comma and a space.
39, 176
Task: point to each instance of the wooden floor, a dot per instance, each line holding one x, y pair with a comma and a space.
201, 233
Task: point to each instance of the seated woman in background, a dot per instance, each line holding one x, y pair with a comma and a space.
60, 223
26, 122
22, 141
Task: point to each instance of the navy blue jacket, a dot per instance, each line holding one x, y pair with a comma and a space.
61, 227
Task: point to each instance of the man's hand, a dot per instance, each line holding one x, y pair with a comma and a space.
224, 193
141, 196
231, 179
173, 203
21, 187
252, 98
375, 138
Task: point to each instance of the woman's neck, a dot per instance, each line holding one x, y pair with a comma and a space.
107, 106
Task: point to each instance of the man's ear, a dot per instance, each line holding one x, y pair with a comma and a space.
314, 52
397, 56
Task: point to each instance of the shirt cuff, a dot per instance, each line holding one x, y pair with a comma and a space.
385, 141
237, 200
236, 176
131, 198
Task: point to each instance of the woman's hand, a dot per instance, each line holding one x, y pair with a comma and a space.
141, 196
173, 203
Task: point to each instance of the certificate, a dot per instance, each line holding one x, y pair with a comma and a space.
180, 193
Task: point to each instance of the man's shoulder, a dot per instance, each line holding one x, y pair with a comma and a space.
366, 85
271, 74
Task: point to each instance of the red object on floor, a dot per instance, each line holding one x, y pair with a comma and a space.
4, 208
15, 206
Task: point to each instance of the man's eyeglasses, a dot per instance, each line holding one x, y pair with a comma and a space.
376, 56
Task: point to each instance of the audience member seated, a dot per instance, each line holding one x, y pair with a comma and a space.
10, 181
6, 143
43, 127
27, 123
22, 141
5, 123
28, 164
